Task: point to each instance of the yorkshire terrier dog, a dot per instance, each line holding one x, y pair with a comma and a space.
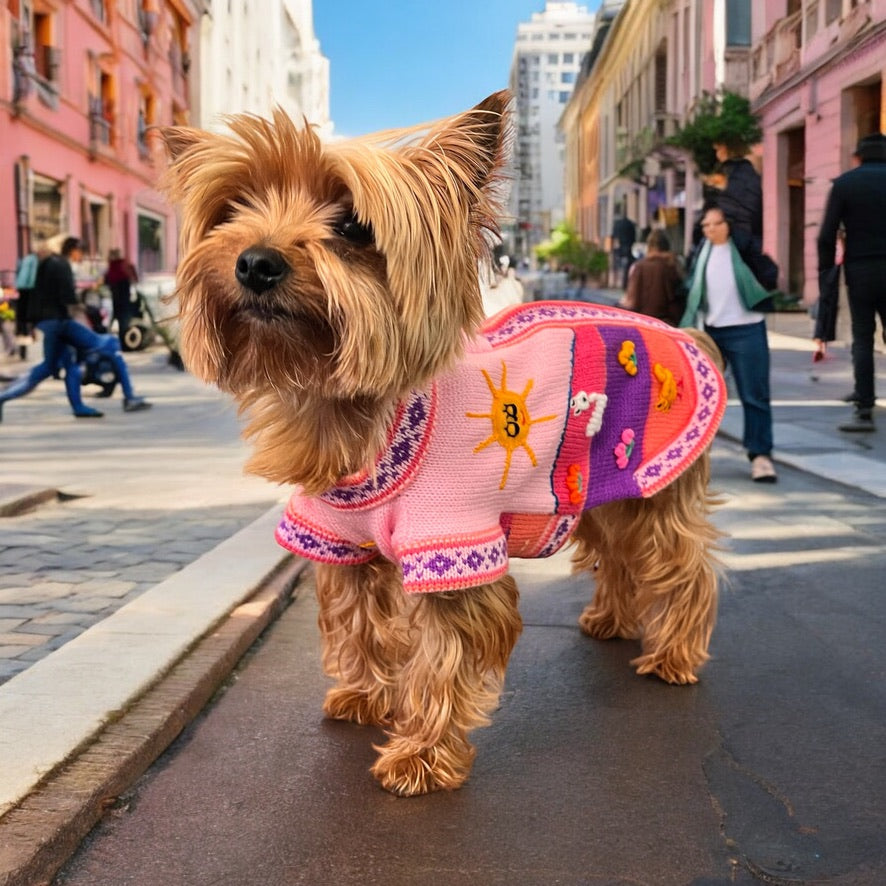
333, 290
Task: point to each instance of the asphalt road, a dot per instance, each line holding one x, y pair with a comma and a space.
771, 770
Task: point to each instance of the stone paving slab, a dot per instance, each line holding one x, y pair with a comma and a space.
57, 705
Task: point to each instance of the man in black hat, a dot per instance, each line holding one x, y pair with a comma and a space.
857, 200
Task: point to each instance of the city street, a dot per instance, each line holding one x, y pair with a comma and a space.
770, 770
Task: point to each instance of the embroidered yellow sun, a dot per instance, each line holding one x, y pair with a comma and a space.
510, 420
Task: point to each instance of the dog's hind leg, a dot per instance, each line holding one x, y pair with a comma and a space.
364, 632
656, 577
611, 613
449, 686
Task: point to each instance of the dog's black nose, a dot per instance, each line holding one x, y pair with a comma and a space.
260, 269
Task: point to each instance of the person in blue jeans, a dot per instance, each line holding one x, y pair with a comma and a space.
52, 301
724, 289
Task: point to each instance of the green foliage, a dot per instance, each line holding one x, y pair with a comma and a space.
567, 249
724, 118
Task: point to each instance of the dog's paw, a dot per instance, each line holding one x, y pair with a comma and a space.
680, 673
602, 625
408, 772
366, 707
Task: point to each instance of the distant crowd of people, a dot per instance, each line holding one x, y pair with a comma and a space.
725, 286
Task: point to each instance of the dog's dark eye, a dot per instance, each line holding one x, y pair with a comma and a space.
355, 232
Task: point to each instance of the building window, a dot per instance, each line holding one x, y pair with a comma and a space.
568, 58
564, 97
102, 98
553, 58
567, 76
148, 17
99, 10
661, 78
147, 116
811, 21
36, 60
46, 202
179, 57
150, 242
738, 22
95, 224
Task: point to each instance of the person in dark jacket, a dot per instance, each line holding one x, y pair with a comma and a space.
119, 278
54, 296
655, 283
856, 200
739, 192
54, 291
624, 233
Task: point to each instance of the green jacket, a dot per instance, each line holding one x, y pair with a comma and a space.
751, 292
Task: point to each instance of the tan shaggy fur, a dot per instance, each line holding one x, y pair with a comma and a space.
377, 242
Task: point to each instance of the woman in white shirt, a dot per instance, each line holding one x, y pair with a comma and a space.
724, 290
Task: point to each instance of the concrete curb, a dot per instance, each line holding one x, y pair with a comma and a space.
849, 469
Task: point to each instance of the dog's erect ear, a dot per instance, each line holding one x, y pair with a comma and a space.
492, 124
179, 138
476, 140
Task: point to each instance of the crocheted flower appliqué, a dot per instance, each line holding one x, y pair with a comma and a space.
575, 483
627, 356
510, 420
624, 449
670, 387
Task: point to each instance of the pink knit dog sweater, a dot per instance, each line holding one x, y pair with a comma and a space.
556, 407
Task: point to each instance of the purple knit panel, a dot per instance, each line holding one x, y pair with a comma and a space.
628, 407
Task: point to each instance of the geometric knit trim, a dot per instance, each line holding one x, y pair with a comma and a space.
454, 563
520, 320
663, 469
399, 460
306, 539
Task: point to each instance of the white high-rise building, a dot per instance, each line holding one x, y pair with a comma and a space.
257, 54
546, 61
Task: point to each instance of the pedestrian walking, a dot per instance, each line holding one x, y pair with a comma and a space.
655, 283
723, 295
119, 277
624, 232
53, 299
828, 305
25, 279
856, 201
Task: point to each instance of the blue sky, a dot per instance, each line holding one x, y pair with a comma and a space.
399, 62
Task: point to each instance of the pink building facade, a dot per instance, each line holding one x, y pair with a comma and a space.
818, 69
81, 84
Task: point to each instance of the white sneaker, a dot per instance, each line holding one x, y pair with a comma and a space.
762, 470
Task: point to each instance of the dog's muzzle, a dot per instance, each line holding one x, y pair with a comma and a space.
260, 269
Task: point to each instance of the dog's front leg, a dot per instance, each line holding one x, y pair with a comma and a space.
364, 631
449, 685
